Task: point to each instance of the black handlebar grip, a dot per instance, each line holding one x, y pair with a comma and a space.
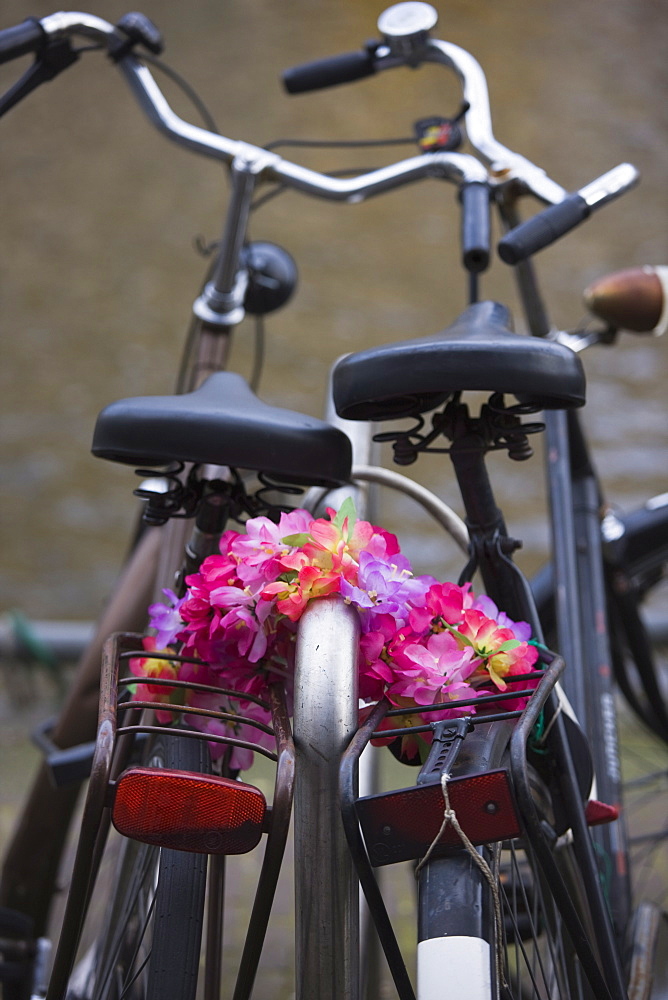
475, 226
29, 36
543, 229
344, 68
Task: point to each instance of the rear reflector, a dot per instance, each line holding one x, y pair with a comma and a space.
188, 812
401, 825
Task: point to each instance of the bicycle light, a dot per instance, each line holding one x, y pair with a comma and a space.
205, 814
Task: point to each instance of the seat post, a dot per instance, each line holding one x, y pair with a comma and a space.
490, 545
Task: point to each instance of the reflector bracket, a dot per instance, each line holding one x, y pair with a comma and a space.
204, 814
401, 825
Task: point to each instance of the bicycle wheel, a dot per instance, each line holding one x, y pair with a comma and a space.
536, 956
633, 757
148, 945
644, 751
494, 921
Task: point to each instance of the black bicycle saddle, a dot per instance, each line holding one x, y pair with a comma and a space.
479, 351
224, 423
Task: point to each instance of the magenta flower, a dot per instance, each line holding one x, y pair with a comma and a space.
433, 671
261, 550
443, 601
422, 642
375, 668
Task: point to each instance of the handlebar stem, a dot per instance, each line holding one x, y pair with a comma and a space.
221, 302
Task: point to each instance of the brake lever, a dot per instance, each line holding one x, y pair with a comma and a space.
52, 61
580, 340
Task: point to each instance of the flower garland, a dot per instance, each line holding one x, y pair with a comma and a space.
422, 642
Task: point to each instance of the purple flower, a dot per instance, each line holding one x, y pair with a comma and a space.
384, 587
166, 620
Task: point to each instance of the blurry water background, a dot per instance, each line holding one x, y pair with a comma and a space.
99, 215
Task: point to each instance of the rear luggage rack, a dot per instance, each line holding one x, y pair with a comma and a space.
492, 804
121, 725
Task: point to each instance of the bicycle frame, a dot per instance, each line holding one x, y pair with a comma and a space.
580, 583
575, 508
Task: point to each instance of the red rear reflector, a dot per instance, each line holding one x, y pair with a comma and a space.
188, 812
600, 812
401, 825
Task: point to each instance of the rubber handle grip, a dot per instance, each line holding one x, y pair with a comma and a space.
344, 68
543, 229
29, 36
475, 226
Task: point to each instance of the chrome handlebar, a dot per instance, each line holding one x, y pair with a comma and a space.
270, 166
406, 28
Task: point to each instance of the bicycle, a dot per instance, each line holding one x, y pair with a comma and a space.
119, 437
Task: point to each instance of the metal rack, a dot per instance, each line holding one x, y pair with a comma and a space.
502, 808
114, 748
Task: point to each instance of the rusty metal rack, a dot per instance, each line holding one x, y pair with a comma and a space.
119, 727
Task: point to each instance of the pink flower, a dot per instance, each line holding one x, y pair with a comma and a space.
265, 545
375, 670
293, 596
446, 601
521, 630
423, 642
217, 570
337, 544
502, 652
433, 671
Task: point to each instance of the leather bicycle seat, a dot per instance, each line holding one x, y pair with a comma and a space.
223, 422
479, 351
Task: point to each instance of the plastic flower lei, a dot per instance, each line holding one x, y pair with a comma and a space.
422, 642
